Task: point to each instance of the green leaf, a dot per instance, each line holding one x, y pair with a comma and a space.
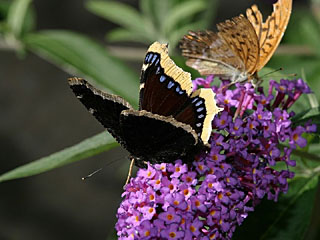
182, 12
311, 115
118, 13
80, 55
4, 8
306, 114
146, 8
16, 16
209, 15
289, 218
121, 34
161, 11
310, 31
89, 147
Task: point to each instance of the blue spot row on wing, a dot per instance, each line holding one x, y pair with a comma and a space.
162, 78
152, 58
200, 112
170, 84
179, 91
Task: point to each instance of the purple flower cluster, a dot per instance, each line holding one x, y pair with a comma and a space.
209, 198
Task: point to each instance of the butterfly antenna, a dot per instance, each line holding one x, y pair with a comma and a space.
98, 170
91, 174
277, 70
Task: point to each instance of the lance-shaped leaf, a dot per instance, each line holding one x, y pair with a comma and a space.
79, 55
89, 147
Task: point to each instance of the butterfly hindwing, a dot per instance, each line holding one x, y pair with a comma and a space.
166, 90
156, 138
242, 39
210, 54
199, 113
106, 108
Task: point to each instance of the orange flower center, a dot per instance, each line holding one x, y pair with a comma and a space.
172, 234
151, 197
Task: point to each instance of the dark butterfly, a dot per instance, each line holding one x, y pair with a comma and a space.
171, 123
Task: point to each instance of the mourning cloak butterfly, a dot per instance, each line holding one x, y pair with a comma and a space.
172, 121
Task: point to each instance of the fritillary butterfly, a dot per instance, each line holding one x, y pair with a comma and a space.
241, 47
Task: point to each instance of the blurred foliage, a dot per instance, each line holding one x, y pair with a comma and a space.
167, 21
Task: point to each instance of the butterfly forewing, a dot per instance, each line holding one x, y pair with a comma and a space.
159, 93
106, 108
165, 89
271, 31
241, 37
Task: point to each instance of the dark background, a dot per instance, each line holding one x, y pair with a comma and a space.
39, 116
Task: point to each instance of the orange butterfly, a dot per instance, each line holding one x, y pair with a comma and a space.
242, 45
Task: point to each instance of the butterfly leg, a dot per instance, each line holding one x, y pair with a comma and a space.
130, 171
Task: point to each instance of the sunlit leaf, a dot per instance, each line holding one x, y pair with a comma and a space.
16, 16
118, 13
182, 12
121, 34
89, 147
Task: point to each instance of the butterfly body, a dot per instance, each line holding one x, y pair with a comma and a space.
171, 122
241, 47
